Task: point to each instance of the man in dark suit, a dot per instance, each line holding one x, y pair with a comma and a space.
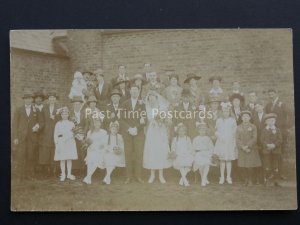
113, 109
102, 90
27, 122
282, 121
47, 149
252, 99
122, 75
123, 87
133, 120
78, 116
258, 121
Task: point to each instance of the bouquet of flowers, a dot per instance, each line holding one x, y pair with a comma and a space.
214, 160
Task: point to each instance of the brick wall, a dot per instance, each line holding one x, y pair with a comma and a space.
31, 71
260, 59
85, 49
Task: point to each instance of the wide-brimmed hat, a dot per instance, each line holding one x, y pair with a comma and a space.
27, 95
214, 99
246, 112
120, 81
92, 98
211, 79
87, 71
53, 94
98, 72
238, 96
76, 99
270, 115
39, 94
115, 92
64, 109
138, 77
191, 76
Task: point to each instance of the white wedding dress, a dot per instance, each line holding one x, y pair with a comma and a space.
156, 144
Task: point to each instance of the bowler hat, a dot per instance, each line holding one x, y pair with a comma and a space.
52, 94
115, 92
27, 95
191, 76
270, 115
214, 99
39, 94
246, 112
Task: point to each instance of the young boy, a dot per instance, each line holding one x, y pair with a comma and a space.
271, 141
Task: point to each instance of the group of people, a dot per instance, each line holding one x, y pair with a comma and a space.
130, 122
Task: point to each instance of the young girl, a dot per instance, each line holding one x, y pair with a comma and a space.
65, 145
182, 147
115, 156
225, 147
97, 138
246, 140
203, 148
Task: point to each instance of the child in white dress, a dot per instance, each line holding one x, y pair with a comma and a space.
65, 145
225, 147
97, 138
182, 147
115, 155
203, 148
78, 85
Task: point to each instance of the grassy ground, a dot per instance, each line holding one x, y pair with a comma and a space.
53, 195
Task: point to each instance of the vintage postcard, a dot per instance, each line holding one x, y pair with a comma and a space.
152, 119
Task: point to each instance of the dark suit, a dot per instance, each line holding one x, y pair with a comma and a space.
103, 97
46, 152
79, 163
23, 156
282, 120
125, 95
134, 145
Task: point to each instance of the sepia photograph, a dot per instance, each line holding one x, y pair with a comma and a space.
152, 120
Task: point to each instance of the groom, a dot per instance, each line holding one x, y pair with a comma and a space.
133, 121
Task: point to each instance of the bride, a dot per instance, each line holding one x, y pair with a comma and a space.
156, 148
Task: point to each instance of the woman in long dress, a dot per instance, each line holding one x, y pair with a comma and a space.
156, 148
